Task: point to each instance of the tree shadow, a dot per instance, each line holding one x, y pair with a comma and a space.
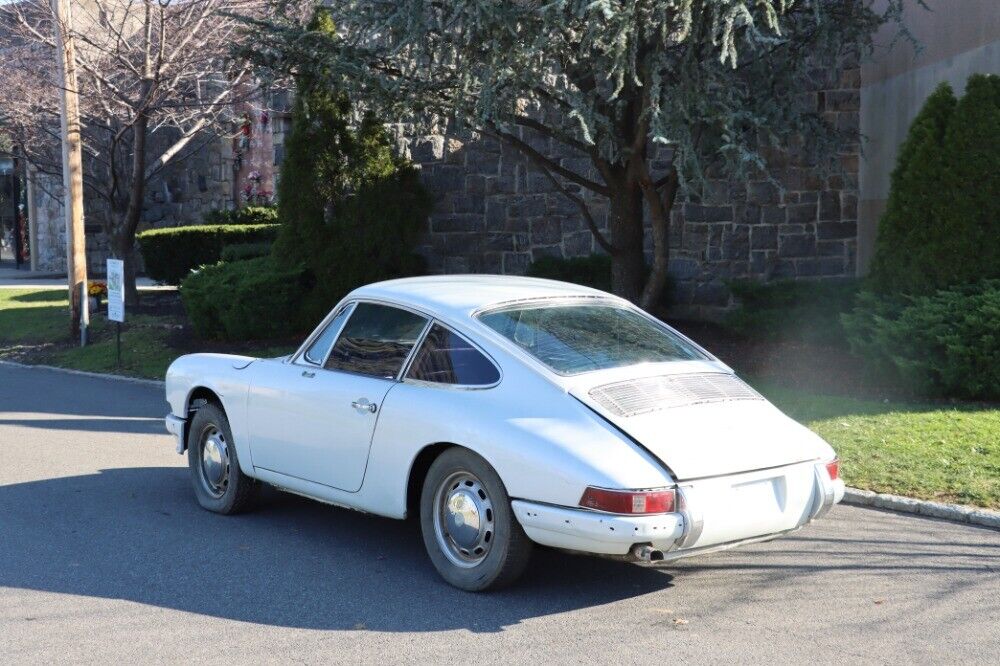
41, 296
137, 534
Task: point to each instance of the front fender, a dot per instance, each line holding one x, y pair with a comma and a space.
226, 376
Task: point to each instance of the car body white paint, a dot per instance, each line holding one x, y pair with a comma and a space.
744, 470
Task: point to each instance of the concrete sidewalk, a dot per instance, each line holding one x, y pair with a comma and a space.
12, 278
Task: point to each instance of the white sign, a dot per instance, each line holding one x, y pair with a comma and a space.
116, 290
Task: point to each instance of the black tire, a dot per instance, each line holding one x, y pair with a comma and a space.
235, 491
509, 548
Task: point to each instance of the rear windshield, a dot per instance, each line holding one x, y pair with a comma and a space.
571, 338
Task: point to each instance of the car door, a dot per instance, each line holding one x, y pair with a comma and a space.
313, 418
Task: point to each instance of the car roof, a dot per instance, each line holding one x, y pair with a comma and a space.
461, 295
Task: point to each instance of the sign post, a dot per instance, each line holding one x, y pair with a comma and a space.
116, 300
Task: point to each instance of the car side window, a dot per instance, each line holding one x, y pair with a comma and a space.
445, 357
321, 345
376, 340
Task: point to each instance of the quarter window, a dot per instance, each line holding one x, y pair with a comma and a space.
447, 358
321, 345
376, 340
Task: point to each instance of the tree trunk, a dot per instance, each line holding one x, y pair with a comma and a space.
628, 262
124, 238
660, 206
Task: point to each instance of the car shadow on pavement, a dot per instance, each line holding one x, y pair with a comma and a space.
137, 534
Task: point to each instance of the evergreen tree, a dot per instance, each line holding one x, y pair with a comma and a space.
941, 226
906, 225
350, 208
966, 243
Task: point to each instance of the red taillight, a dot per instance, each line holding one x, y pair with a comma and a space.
628, 501
833, 468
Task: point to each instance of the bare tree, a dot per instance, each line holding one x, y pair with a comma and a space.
155, 83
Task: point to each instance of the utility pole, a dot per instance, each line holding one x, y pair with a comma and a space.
72, 154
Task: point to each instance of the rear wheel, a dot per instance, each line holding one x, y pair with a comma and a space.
218, 483
469, 529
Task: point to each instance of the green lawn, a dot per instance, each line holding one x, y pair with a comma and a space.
32, 316
34, 329
946, 453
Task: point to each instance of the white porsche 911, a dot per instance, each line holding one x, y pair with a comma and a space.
507, 412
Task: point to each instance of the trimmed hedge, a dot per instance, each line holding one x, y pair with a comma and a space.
171, 254
242, 300
245, 215
799, 311
945, 344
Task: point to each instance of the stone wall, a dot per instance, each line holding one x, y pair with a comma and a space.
495, 213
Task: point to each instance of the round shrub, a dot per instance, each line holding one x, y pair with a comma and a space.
256, 299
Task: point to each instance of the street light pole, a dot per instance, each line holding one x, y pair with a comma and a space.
72, 154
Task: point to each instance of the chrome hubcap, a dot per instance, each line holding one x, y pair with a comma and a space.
463, 519
214, 461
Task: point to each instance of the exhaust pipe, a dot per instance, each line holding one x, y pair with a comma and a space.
646, 553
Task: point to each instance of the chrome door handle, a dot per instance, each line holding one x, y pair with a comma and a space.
309, 375
364, 404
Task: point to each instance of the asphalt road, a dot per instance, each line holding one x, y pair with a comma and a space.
105, 556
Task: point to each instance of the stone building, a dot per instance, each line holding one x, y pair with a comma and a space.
494, 213
225, 173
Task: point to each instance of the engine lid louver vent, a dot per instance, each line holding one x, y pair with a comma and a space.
649, 394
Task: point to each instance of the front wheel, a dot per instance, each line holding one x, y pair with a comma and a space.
469, 529
218, 483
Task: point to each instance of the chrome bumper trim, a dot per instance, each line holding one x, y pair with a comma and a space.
175, 426
826, 491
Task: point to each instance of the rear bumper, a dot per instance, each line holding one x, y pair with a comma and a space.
594, 532
696, 528
175, 426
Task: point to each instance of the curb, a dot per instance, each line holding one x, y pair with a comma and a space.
953, 512
156, 383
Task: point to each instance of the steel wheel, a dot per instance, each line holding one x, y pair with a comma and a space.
463, 519
213, 452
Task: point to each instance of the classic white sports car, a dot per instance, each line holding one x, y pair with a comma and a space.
507, 412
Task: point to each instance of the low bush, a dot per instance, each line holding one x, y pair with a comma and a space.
242, 251
256, 299
799, 311
945, 344
171, 254
245, 215
593, 271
